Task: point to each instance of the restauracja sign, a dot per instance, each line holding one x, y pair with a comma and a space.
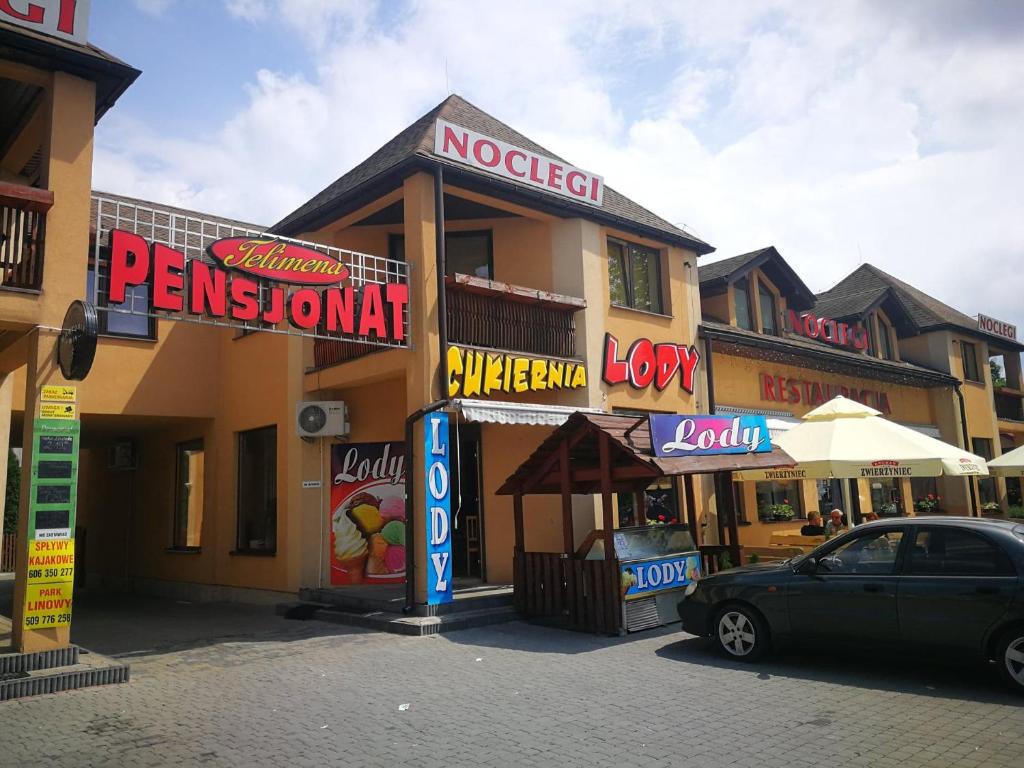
245, 284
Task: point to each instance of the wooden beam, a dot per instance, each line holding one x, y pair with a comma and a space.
563, 471
691, 506
527, 485
593, 474
734, 531
604, 452
517, 516
640, 502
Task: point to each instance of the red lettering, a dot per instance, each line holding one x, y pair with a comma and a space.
34, 13
168, 278
793, 391
478, 153
807, 392
125, 271
816, 396
341, 308
371, 315
768, 387
571, 179
534, 166
667, 359
397, 295
273, 311
208, 294
688, 358
641, 363
508, 162
452, 140
614, 371
594, 186
244, 298
554, 175
66, 18
811, 327
304, 308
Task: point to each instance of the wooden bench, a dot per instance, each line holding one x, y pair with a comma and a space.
771, 554
794, 539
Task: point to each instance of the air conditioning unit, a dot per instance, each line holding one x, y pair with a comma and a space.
322, 419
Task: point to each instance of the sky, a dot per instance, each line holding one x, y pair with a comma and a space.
840, 132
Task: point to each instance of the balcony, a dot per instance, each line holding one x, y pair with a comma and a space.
491, 315
22, 235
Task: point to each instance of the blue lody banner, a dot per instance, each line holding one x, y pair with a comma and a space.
436, 455
675, 435
638, 579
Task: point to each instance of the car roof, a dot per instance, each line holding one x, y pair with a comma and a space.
982, 522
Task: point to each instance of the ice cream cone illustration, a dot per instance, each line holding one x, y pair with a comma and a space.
627, 580
350, 550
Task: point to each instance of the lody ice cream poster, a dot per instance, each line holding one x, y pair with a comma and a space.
368, 513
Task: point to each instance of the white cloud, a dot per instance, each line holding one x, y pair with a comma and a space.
838, 132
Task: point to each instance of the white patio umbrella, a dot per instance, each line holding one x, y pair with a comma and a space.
845, 439
1009, 464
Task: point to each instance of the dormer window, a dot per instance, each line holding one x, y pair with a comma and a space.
634, 276
741, 297
769, 312
885, 345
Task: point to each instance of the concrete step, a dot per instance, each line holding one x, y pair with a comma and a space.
465, 601
91, 669
385, 621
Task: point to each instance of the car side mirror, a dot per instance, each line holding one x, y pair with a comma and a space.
809, 566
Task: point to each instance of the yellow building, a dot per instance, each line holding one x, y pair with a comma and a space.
775, 348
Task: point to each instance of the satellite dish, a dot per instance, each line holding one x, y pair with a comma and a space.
76, 347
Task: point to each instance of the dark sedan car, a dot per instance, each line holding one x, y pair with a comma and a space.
934, 582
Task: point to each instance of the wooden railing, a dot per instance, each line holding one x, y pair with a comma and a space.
576, 594
7, 552
22, 235
483, 313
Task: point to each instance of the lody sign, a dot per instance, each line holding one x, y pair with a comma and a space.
648, 363
675, 435
437, 466
643, 578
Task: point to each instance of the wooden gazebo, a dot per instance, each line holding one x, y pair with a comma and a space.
606, 454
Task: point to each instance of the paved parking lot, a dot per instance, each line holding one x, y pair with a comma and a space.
220, 685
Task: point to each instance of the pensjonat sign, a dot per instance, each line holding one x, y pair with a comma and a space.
265, 282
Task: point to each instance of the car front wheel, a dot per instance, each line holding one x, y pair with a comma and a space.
740, 633
1011, 658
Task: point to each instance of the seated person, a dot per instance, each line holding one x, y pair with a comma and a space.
836, 522
870, 517
813, 526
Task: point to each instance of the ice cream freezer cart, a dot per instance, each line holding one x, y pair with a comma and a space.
656, 563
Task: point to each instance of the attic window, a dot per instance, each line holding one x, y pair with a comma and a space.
769, 313
741, 296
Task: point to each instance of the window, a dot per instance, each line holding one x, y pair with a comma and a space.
869, 323
779, 501
955, 552
969, 356
741, 295
257, 490
769, 321
982, 446
872, 554
115, 323
830, 495
661, 504
885, 340
466, 253
885, 497
925, 493
188, 495
634, 276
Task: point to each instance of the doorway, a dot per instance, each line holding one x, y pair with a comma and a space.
467, 506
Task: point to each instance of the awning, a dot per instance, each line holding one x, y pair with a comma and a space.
499, 412
782, 421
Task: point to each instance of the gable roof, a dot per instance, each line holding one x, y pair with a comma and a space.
414, 147
867, 282
714, 277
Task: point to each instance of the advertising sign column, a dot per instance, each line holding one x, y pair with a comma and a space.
53, 495
438, 485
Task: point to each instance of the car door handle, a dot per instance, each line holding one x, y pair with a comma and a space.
872, 587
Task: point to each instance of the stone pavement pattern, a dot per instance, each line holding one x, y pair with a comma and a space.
235, 686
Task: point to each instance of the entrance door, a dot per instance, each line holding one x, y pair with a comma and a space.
467, 509
851, 594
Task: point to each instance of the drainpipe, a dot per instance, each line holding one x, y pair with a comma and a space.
709, 366
963, 428
442, 374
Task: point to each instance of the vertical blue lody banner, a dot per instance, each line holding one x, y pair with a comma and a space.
436, 455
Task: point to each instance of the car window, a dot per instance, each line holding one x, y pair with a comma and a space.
873, 553
956, 552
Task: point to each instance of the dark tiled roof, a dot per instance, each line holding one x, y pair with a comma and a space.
825, 357
718, 270
417, 140
925, 311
